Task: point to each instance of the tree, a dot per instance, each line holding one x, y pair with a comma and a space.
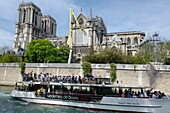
154, 52
166, 48
44, 51
112, 55
113, 72
63, 54
22, 66
9, 58
87, 70
146, 52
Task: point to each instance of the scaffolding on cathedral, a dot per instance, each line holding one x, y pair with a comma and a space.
70, 38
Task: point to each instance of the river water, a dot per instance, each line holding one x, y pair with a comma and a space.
10, 105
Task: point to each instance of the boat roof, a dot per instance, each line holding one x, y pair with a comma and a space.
86, 85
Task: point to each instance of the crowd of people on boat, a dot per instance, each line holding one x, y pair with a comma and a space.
49, 77
144, 94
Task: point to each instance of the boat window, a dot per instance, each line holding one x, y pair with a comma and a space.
79, 89
104, 91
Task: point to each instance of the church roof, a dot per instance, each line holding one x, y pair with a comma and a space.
81, 15
48, 16
126, 33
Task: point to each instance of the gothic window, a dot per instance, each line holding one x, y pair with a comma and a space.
45, 25
42, 24
81, 21
21, 30
121, 39
35, 32
52, 28
24, 14
135, 40
32, 30
36, 18
33, 16
128, 41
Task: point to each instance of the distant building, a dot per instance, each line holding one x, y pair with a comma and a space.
128, 42
59, 41
32, 25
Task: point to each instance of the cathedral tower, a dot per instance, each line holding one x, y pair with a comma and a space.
28, 26
49, 26
32, 25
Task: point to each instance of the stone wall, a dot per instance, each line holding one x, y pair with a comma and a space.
155, 76
9, 74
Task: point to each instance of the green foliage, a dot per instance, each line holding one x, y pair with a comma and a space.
87, 70
148, 53
63, 54
91, 50
128, 59
154, 53
166, 49
134, 67
9, 58
112, 55
43, 51
22, 67
113, 72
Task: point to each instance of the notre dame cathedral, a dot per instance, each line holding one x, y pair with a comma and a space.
94, 34
32, 25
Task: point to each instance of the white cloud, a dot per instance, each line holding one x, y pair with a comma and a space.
8, 9
59, 10
6, 38
119, 15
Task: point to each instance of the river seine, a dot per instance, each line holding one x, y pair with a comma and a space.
10, 105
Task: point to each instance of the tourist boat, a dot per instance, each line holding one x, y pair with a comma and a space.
90, 96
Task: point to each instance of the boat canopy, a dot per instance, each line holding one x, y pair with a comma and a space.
85, 85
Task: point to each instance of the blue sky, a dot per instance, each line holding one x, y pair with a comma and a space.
148, 16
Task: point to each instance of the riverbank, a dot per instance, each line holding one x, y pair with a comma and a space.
6, 85
6, 88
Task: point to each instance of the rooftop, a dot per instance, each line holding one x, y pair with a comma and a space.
126, 33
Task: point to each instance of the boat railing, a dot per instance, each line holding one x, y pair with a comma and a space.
64, 81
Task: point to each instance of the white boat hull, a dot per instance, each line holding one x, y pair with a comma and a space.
106, 104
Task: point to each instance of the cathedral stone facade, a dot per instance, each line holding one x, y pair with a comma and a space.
94, 34
89, 34
128, 42
32, 25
